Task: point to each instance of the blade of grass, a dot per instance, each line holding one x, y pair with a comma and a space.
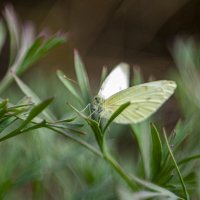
156, 151
177, 168
142, 133
82, 77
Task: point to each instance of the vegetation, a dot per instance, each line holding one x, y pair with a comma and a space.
64, 154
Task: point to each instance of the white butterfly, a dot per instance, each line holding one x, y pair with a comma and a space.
145, 99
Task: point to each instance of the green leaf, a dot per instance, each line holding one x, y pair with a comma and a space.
67, 83
182, 130
30, 55
64, 120
35, 126
177, 168
104, 74
26, 90
76, 131
35, 111
115, 114
138, 78
188, 159
156, 156
2, 34
142, 133
82, 77
39, 49
52, 42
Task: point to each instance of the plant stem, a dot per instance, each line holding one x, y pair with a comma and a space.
120, 171
83, 143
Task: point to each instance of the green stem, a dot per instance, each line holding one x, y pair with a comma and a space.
120, 171
83, 143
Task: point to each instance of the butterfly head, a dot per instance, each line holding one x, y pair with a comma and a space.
97, 105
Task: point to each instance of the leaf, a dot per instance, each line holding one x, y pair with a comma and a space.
2, 35
35, 111
67, 83
142, 133
76, 131
82, 77
3, 108
138, 78
64, 120
14, 30
142, 195
177, 168
115, 114
52, 42
156, 156
30, 55
26, 90
182, 130
188, 159
39, 49
104, 73
35, 126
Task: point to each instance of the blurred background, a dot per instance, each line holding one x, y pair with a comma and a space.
141, 33
108, 32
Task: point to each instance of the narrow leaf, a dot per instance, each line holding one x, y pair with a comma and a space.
67, 83
104, 73
115, 114
39, 49
36, 110
142, 133
156, 151
82, 77
30, 55
177, 168
26, 90
2, 34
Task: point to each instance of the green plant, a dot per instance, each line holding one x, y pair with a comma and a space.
164, 167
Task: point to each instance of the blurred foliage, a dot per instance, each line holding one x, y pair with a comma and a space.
40, 164
25, 47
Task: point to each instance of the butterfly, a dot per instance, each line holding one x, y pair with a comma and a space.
145, 99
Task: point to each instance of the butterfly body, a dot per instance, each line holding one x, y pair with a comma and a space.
145, 99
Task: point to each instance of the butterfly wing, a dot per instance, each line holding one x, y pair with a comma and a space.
145, 99
116, 81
